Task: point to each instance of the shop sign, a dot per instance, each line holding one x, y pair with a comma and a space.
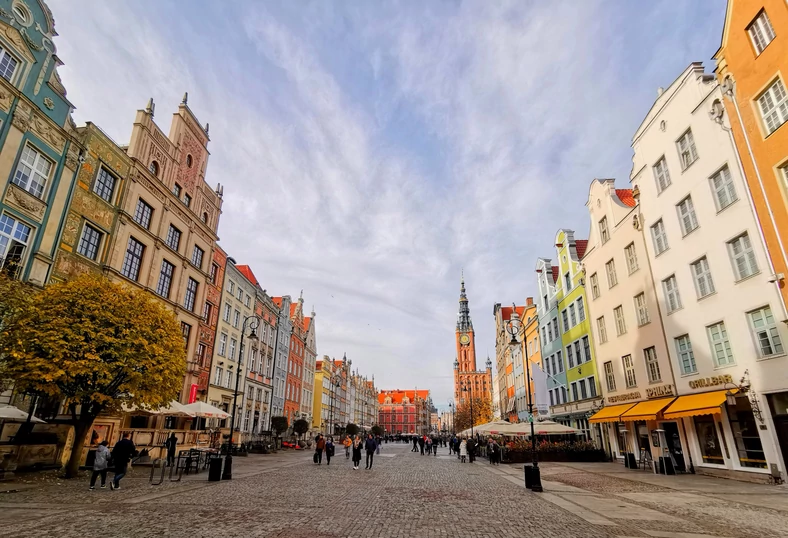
662, 390
624, 397
710, 381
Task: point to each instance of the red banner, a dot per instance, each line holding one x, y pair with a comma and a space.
193, 393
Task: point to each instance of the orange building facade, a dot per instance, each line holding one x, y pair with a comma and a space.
752, 65
466, 376
404, 411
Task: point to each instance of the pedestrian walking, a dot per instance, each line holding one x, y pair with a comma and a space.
122, 453
378, 443
495, 453
463, 451
435, 447
329, 450
100, 464
171, 444
421, 444
320, 444
414, 445
347, 444
371, 446
356, 449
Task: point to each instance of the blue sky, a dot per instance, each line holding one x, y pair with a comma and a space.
371, 150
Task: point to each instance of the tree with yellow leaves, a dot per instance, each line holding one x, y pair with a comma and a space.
482, 413
95, 344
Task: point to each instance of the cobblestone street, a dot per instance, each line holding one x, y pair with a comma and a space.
405, 495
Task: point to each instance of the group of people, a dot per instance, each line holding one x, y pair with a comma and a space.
427, 444
467, 449
352, 446
120, 457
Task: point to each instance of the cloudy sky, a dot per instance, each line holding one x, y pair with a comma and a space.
370, 151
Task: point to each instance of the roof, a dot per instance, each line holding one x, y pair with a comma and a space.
506, 312
277, 301
398, 395
293, 309
307, 322
554, 270
625, 195
246, 271
581, 245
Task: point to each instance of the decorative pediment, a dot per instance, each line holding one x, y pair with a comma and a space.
15, 37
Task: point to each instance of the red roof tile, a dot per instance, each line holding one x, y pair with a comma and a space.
246, 271
398, 395
307, 322
554, 269
581, 245
506, 312
277, 301
625, 195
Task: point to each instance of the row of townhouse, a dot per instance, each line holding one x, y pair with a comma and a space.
405, 411
342, 397
74, 201
663, 335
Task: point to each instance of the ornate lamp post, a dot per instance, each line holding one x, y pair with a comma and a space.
334, 385
513, 328
254, 322
468, 392
451, 411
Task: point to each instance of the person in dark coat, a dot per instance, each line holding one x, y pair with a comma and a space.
414, 445
329, 450
471, 449
421, 444
122, 453
320, 444
370, 446
171, 444
356, 449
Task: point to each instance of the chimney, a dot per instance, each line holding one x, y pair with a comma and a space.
529, 301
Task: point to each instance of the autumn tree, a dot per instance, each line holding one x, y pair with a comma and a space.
14, 299
482, 413
97, 345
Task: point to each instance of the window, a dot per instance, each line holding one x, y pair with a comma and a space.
774, 106
581, 310
89, 242
572, 317
761, 32
191, 295
594, 286
652, 365
227, 311
231, 287
632, 258
236, 319
659, 237
176, 190
560, 361
132, 259
578, 352
570, 356
723, 189
610, 269
214, 273
765, 331
13, 240
701, 274
742, 257
549, 332
574, 392
197, 255
217, 380
153, 167
661, 175
143, 213
587, 348
720, 345
687, 218
610, 377
672, 298
567, 281
240, 293
621, 325
544, 333
565, 319
32, 172
165, 279
709, 443
687, 152
187, 200
233, 346
563, 394
583, 391
7, 64
229, 380
600, 327
686, 357
186, 331
207, 311
222, 344
592, 386
104, 185
555, 327
641, 309
173, 238
604, 233
629, 371
248, 301
745, 433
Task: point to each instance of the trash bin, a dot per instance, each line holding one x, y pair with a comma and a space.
528, 470
215, 469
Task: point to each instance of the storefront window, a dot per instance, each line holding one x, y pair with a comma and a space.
707, 439
745, 434
622, 441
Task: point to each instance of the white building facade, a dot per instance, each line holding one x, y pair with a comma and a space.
722, 314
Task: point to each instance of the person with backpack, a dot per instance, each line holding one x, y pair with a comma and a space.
356, 453
100, 464
122, 453
371, 446
329, 450
320, 444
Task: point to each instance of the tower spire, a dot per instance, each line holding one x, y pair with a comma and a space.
464, 322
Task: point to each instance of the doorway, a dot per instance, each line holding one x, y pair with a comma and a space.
673, 444
778, 405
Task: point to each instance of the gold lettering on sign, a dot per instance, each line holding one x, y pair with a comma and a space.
624, 397
662, 390
710, 381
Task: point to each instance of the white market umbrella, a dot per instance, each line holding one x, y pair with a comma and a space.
172, 409
202, 409
14, 414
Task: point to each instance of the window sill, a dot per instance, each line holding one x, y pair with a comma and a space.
635, 270
690, 232
679, 309
707, 296
613, 286
689, 165
727, 206
748, 277
778, 128
644, 324
717, 367
689, 374
655, 382
658, 254
769, 357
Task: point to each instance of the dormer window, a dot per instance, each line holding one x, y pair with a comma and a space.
7, 64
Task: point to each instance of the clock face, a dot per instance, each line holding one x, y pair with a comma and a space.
465, 339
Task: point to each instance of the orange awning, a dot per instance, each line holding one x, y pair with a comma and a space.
646, 410
610, 413
706, 403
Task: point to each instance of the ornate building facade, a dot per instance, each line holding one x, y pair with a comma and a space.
404, 411
479, 384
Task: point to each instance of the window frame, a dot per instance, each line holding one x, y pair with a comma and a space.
727, 187
34, 172
630, 254
661, 171
165, 278
772, 333
762, 23
747, 254
190, 295
690, 355
594, 280
658, 234
653, 372
129, 258
641, 310
604, 231
140, 211
610, 376
629, 371
100, 187
685, 209
703, 277
722, 340
99, 234
610, 271
620, 320
691, 149
601, 329
778, 107
175, 235
196, 263
17, 62
672, 291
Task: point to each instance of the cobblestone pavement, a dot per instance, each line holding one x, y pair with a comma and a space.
405, 495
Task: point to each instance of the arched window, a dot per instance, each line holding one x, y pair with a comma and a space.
189, 161
205, 217
154, 168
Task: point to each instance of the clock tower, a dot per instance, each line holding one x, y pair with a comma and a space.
479, 383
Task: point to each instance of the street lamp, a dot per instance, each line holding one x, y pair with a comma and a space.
227, 474
334, 385
363, 414
451, 410
513, 328
468, 391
